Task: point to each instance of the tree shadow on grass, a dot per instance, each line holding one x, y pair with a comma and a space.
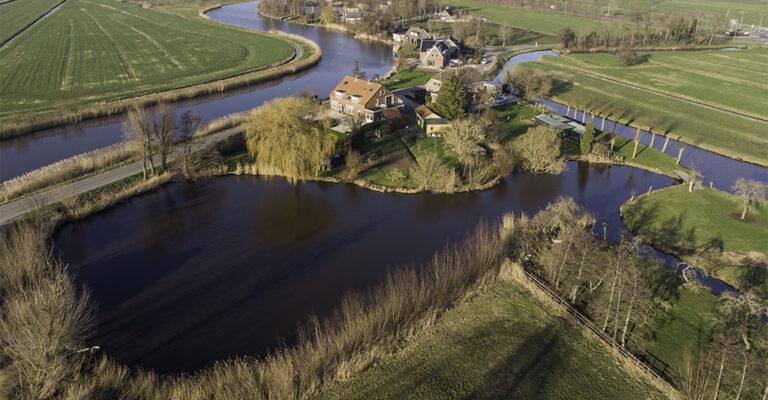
525, 372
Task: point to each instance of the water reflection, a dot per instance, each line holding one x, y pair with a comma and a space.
194, 273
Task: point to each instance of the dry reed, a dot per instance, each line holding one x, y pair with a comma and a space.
63, 170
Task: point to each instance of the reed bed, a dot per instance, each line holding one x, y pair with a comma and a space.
62, 171
21, 125
365, 327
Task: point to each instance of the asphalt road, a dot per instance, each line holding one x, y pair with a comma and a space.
13, 210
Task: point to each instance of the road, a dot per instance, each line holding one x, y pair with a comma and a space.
13, 210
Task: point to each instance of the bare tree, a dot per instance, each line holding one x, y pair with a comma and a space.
137, 133
165, 135
189, 161
750, 193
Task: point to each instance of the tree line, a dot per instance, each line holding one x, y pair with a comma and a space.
674, 32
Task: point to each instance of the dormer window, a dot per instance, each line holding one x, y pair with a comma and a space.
339, 94
355, 99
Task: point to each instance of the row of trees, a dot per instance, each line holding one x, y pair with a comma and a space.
153, 138
370, 10
675, 32
623, 290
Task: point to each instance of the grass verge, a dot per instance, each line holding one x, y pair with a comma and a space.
501, 344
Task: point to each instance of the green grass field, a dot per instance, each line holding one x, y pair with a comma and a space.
551, 23
538, 21
751, 8
408, 78
684, 222
699, 217
500, 344
646, 156
695, 75
16, 15
491, 34
99, 50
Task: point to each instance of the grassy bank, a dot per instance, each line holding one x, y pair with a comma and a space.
139, 52
700, 76
501, 344
705, 220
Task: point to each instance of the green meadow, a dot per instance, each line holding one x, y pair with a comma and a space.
665, 93
16, 15
501, 344
537, 21
92, 51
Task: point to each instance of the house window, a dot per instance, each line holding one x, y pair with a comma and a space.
339, 95
430, 63
369, 117
335, 105
389, 100
355, 99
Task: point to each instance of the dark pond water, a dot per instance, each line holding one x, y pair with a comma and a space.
194, 273
340, 51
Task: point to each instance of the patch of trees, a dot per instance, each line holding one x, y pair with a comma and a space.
673, 32
623, 290
531, 84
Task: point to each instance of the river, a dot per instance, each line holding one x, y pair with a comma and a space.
340, 51
720, 170
194, 273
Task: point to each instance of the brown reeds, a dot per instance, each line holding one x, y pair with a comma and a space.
63, 170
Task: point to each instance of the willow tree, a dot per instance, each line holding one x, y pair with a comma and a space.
283, 136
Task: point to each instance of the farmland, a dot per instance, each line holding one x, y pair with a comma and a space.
672, 92
96, 51
546, 21
538, 21
17, 15
501, 344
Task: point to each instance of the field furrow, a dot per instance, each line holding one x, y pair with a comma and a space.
99, 50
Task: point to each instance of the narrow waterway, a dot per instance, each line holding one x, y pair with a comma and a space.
720, 170
198, 272
340, 51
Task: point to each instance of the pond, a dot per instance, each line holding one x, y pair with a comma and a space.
198, 272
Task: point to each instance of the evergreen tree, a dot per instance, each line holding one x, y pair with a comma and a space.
451, 101
586, 139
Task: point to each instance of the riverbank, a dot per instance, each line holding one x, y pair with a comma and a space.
711, 113
334, 27
703, 227
304, 54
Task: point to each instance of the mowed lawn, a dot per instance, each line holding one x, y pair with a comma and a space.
691, 220
16, 15
538, 21
695, 75
502, 344
98, 50
734, 80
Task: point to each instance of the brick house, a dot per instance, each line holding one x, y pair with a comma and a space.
438, 53
432, 124
366, 98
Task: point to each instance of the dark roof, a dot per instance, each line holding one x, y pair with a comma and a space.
426, 44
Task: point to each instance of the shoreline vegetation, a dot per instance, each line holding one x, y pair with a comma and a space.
365, 327
310, 54
703, 228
